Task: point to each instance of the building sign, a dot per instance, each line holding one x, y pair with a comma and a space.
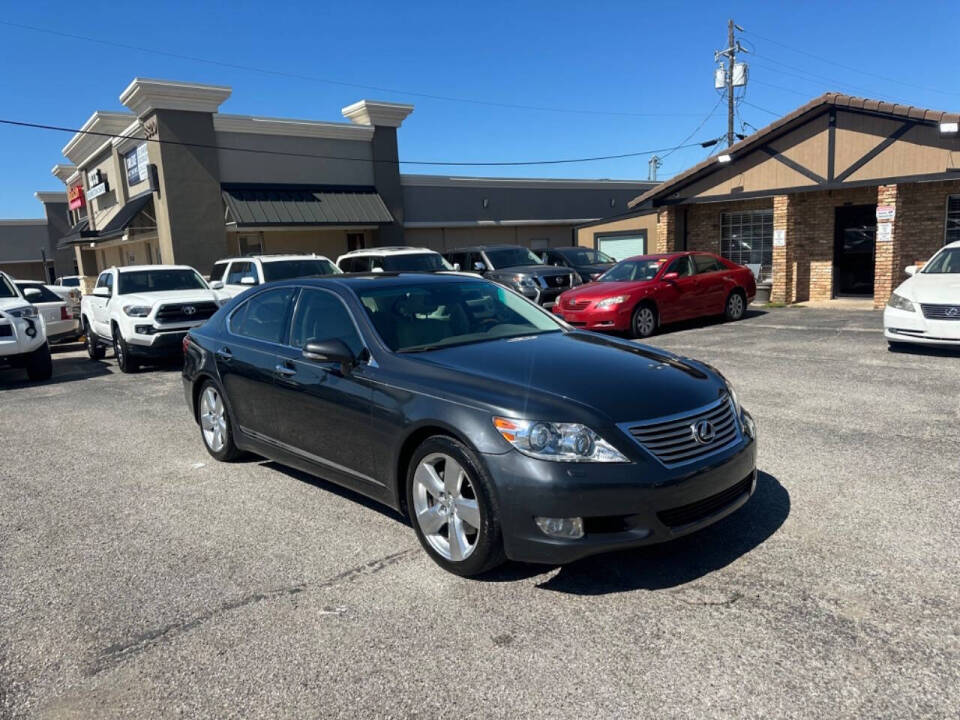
884, 231
779, 237
886, 213
135, 162
75, 197
96, 184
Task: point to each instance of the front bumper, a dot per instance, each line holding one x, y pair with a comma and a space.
20, 336
614, 318
623, 505
161, 344
912, 327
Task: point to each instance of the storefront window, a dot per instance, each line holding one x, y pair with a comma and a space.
747, 239
953, 219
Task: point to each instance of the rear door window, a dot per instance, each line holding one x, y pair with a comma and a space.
706, 264
266, 316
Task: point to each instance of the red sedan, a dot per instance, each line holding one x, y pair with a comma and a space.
641, 293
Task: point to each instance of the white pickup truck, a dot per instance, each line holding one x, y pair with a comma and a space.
144, 311
23, 334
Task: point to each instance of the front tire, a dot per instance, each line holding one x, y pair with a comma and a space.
451, 504
736, 306
122, 351
644, 322
39, 364
95, 350
215, 427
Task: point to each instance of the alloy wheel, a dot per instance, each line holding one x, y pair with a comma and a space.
118, 350
445, 504
735, 306
645, 322
213, 419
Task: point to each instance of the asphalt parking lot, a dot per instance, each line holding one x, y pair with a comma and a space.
139, 578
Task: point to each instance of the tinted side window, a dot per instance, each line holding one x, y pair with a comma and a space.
706, 264
681, 266
375, 262
216, 272
320, 315
264, 316
457, 258
102, 280
240, 270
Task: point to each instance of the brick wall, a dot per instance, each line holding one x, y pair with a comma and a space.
666, 240
703, 221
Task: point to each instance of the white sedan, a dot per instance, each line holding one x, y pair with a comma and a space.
925, 308
63, 323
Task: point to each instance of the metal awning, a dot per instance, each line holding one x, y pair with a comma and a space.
80, 233
300, 206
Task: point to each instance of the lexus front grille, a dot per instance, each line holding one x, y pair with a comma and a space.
682, 438
941, 312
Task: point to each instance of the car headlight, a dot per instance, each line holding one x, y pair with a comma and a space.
137, 310
900, 303
733, 397
22, 312
525, 283
611, 301
564, 442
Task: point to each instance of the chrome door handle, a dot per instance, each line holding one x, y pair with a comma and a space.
285, 371
224, 354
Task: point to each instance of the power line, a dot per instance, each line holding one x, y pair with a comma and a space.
58, 128
813, 77
757, 107
694, 132
834, 63
330, 81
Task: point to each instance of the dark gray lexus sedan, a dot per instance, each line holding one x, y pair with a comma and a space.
499, 430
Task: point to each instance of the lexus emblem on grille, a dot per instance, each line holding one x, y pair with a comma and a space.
189, 310
952, 312
703, 432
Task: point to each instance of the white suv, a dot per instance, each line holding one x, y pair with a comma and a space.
232, 276
144, 311
23, 333
393, 259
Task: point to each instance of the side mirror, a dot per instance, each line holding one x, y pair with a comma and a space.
479, 267
911, 269
248, 280
216, 285
456, 266
31, 293
103, 292
670, 276
335, 351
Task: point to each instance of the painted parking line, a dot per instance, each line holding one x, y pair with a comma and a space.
773, 326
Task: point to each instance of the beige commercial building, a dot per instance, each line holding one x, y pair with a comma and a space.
832, 200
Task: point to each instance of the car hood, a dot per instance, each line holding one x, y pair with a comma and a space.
177, 296
620, 380
10, 303
598, 290
595, 268
933, 288
532, 270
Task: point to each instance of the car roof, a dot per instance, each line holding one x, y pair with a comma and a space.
955, 244
275, 258
391, 250
364, 280
134, 268
474, 248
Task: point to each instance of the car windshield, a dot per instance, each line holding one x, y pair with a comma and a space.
70, 282
288, 269
415, 261
418, 318
585, 256
138, 281
6, 289
45, 295
947, 261
512, 257
632, 271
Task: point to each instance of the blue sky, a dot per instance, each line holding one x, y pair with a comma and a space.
642, 70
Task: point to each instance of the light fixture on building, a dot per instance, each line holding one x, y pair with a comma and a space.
724, 158
949, 128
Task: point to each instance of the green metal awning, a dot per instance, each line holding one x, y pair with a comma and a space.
265, 206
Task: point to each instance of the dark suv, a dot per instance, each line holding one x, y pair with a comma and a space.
516, 267
590, 263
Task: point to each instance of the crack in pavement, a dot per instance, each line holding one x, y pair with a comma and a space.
120, 652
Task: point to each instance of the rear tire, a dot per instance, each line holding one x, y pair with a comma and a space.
736, 306
122, 351
95, 351
216, 431
39, 364
455, 517
645, 321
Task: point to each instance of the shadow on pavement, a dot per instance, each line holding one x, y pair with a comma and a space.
927, 350
671, 564
65, 369
703, 322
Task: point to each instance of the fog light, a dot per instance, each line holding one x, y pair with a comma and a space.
571, 528
143, 329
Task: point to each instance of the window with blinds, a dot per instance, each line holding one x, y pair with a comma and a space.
747, 239
953, 219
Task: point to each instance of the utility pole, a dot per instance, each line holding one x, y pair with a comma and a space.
653, 166
732, 76
731, 40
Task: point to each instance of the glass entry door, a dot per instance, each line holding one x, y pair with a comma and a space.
854, 248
